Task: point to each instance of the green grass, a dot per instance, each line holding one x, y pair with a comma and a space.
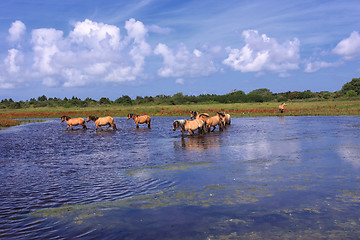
320, 108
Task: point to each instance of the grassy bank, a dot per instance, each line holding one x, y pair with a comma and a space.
321, 108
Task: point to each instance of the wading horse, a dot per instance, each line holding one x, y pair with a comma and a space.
73, 122
102, 121
140, 119
226, 119
213, 121
189, 125
281, 107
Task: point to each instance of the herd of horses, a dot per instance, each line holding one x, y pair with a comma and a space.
201, 122
104, 121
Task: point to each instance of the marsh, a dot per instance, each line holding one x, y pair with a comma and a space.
264, 177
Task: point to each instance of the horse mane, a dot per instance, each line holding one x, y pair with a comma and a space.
181, 122
204, 114
221, 114
132, 115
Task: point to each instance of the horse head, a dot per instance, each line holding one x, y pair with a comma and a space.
93, 118
130, 115
193, 114
175, 125
65, 118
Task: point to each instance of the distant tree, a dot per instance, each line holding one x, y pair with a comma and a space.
43, 98
235, 97
178, 98
264, 93
354, 85
104, 100
124, 100
15, 105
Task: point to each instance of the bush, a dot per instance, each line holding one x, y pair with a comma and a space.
351, 93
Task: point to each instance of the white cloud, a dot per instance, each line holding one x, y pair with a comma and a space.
158, 29
180, 81
317, 65
262, 53
6, 85
46, 44
140, 49
93, 35
14, 58
349, 47
183, 63
74, 77
91, 52
16, 31
50, 82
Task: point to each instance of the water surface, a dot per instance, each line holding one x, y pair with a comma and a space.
268, 177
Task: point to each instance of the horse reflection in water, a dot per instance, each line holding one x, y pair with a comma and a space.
73, 122
102, 121
189, 125
198, 143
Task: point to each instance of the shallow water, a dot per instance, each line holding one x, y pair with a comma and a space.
268, 177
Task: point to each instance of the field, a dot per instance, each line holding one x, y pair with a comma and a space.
321, 108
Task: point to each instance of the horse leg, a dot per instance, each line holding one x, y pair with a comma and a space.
114, 126
191, 132
137, 124
213, 128
148, 123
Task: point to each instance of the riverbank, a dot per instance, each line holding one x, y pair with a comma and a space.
322, 108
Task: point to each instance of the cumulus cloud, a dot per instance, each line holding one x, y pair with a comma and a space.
349, 47
92, 51
262, 53
183, 62
93, 35
16, 31
13, 60
46, 43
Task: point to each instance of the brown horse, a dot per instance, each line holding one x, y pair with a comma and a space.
189, 125
73, 122
213, 121
140, 119
226, 119
102, 121
281, 107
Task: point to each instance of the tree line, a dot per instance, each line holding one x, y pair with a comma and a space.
350, 89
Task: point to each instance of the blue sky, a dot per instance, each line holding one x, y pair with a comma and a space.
110, 48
